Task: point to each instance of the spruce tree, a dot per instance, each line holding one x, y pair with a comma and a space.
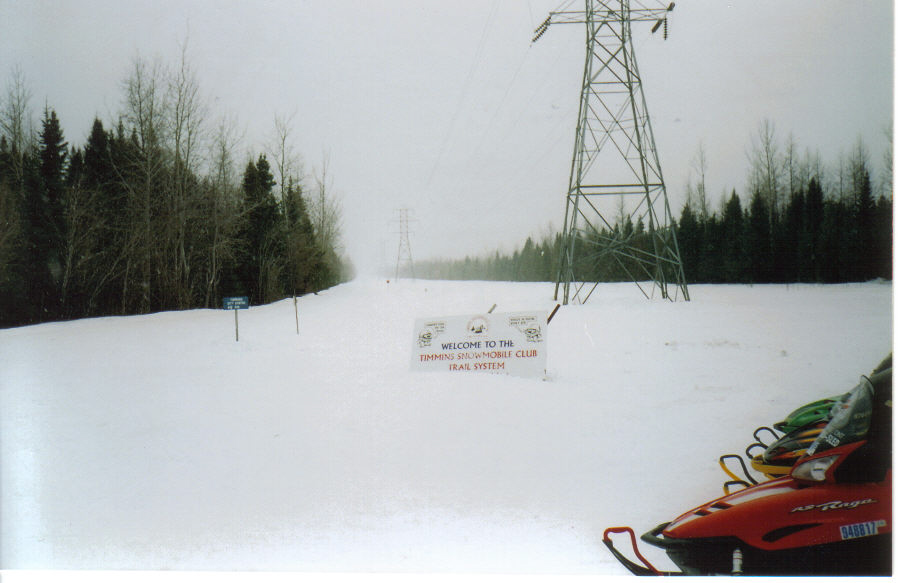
38, 282
303, 253
690, 243
104, 158
733, 241
834, 249
53, 155
791, 263
263, 236
863, 233
813, 230
882, 228
758, 240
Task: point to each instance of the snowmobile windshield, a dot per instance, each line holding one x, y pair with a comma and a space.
849, 421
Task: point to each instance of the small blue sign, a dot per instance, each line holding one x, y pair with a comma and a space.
236, 303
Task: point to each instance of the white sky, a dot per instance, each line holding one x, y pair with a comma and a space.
447, 109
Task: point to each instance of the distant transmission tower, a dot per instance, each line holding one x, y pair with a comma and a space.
617, 220
404, 256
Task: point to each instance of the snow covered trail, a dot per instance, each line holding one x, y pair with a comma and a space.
158, 442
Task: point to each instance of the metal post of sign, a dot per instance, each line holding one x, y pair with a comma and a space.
296, 309
236, 303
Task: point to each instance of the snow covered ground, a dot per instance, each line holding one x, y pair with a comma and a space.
158, 442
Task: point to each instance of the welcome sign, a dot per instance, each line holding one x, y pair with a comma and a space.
511, 343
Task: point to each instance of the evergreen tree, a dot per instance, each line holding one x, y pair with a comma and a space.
51, 230
262, 236
712, 259
38, 281
812, 256
882, 242
304, 255
97, 162
863, 236
834, 249
104, 157
790, 259
758, 240
689, 239
733, 241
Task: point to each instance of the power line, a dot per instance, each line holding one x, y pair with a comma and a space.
474, 63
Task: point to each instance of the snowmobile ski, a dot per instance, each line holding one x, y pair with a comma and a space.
646, 568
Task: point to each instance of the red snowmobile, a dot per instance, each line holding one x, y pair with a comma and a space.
832, 515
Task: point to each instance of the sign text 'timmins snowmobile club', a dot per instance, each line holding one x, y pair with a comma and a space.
511, 343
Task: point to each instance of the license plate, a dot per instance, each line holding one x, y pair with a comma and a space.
860, 529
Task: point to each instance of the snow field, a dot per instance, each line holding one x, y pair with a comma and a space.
158, 442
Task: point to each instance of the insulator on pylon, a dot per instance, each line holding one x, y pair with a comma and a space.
541, 29
665, 29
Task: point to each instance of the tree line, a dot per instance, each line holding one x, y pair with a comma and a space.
803, 223
152, 213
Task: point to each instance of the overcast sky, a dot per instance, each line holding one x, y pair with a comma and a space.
446, 108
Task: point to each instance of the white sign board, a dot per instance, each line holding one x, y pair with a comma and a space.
511, 343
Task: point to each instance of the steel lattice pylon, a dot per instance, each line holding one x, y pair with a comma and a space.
404, 255
617, 220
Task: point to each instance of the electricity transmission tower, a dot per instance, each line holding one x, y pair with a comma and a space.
404, 256
617, 219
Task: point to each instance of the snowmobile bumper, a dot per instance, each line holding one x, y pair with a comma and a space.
710, 556
646, 568
730, 556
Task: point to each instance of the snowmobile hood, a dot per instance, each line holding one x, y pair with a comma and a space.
850, 418
821, 409
779, 457
810, 413
791, 446
784, 513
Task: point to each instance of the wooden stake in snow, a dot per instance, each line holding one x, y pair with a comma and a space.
296, 309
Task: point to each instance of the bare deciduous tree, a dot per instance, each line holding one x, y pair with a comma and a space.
223, 208
188, 113
10, 229
80, 251
700, 165
15, 120
765, 175
325, 209
287, 163
143, 176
